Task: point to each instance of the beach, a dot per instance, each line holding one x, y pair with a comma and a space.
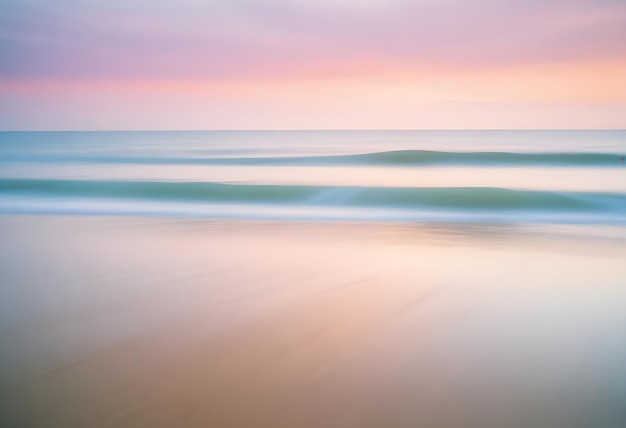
295, 279
313, 214
160, 322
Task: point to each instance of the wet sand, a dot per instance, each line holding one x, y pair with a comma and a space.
134, 322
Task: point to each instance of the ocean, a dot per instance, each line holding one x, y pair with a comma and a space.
476, 176
313, 279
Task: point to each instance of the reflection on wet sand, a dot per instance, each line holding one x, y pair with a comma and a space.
171, 323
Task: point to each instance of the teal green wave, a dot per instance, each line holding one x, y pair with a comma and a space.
448, 198
396, 158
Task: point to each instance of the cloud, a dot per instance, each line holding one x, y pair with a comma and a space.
226, 39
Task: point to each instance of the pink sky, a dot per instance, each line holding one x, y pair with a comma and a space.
342, 64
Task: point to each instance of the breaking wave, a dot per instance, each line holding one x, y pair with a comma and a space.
447, 198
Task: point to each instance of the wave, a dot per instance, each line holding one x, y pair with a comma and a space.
425, 157
449, 198
386, 158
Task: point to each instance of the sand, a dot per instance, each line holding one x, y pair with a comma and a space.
135, 322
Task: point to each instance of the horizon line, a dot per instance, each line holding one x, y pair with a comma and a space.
316, 130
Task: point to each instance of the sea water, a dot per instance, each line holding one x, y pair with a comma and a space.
295, 279
476, 176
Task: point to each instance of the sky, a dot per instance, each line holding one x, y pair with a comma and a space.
312, 64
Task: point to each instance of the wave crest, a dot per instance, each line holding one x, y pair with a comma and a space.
448, 198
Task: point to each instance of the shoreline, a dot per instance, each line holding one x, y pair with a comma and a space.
134, 322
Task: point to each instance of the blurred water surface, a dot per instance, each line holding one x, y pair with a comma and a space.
506, 176
272, 279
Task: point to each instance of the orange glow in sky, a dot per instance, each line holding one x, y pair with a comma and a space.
313, 65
